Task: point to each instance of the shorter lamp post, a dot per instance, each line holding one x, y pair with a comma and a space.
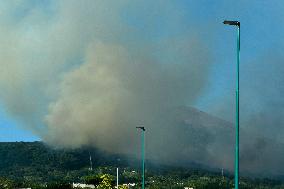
143, 154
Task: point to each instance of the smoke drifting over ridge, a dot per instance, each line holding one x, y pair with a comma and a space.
107, 96
87, 72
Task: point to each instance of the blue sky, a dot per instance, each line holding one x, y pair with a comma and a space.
11, 131
262, 38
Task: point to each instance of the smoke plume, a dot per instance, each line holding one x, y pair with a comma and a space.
88, 72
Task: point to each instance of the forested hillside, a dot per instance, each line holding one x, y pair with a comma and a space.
35, 165
35, 160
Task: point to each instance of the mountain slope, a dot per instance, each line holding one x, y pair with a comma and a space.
195, 139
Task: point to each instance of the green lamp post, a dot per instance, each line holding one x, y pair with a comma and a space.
238, 25
143, 154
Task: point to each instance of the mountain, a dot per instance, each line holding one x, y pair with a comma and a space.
214, 138
36, 160
198, 141
196, 136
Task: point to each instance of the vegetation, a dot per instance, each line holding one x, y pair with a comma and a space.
36, 166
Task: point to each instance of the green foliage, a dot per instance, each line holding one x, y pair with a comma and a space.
35, 162
58, 186
209, 182
92, 179
6, 183
107, 182
122, 187
24, 164
131, 176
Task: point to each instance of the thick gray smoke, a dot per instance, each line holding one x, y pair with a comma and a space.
102, 100
88, 72
261, 117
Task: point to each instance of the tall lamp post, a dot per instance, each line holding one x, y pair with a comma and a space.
238, 25
143, 154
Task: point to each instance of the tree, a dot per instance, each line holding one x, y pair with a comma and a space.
93, 179
6, 183
59, 186
122, 187
107, 182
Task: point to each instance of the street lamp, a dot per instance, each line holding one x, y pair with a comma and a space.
143, 154
238, 24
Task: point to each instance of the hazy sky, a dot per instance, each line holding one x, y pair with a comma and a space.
262, 39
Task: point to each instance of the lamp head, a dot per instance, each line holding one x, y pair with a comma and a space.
234, 23
142, 128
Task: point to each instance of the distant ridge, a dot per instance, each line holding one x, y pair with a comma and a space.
209, 144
